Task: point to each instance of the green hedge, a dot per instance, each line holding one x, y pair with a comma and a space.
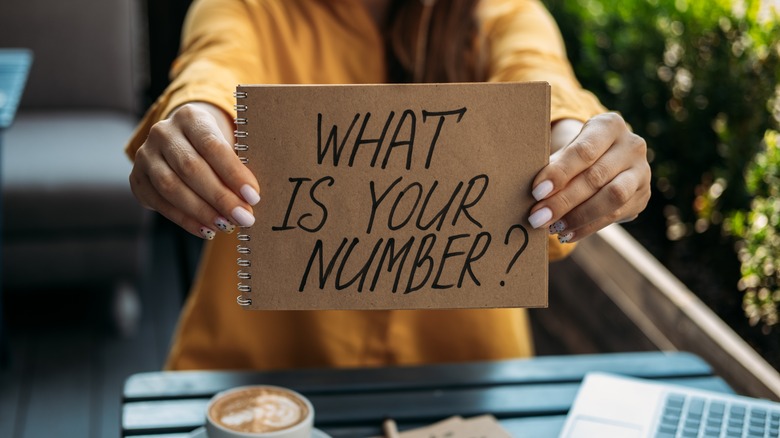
700, 81
759, 231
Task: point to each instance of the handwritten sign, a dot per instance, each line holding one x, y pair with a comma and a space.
393, 196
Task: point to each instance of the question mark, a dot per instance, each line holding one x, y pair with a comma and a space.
519, 251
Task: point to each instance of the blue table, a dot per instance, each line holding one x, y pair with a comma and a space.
530, 397
14, 68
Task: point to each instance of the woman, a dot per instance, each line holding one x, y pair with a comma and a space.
185, 167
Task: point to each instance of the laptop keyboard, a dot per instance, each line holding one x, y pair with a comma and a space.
685, 416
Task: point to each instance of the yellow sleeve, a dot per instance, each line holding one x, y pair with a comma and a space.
524, 44
219, 50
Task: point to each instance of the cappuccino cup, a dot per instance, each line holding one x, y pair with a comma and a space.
261, 411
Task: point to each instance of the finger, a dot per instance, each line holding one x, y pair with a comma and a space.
167, 184
198, 175
153, 201
623, 198
165, 140
596, 137
202, 131
581, 233
581, 188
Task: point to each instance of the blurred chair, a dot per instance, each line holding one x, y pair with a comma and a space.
70, 220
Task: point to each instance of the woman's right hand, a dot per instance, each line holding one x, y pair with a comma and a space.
187, 171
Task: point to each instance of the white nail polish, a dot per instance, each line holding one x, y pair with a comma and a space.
564, 238
542, 190
243, 217
540, 217
224, 225
249, 194
207, 233
557, 227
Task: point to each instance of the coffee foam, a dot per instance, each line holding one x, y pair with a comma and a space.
258, 410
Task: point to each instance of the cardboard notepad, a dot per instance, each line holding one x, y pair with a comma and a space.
393, 196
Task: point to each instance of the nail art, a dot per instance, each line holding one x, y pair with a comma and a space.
224, 225
207, 233
565, 238
557, 227
540, 217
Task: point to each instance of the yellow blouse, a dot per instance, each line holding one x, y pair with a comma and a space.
229, 42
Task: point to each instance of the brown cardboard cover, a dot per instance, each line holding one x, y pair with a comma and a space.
355, 182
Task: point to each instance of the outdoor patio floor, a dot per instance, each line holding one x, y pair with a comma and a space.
68, 364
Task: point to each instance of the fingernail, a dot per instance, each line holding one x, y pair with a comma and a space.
207, 233
564, 238
542, 190
224, 225
250, 194
540, 217
243, 217
557, 227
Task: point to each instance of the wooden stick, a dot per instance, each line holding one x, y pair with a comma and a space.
390, 428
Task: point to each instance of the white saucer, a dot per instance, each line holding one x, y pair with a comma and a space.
201, 433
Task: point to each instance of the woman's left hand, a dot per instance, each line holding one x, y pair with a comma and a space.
600, 177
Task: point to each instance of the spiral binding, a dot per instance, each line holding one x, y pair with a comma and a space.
239, 147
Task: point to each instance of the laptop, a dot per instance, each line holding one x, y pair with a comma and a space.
612, 406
